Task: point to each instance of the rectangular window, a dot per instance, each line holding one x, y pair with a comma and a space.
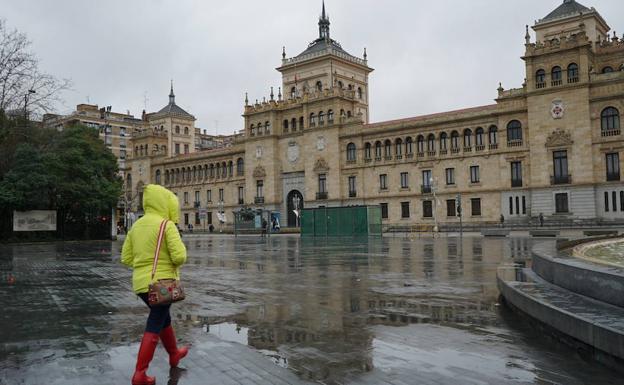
621, 200
177, 148
186, 219
523, 205
426, 174
404, 181
209, 217
383, 181
561, 203
241, 195
186, 148
196, 196
209, 196
450, 176
186, 197
259, 188
613, 166
474, 174
450, 208
518, 205
221, 195
405, 210
427, 209
475, 204
560, 167
384, 210
322, 183
197, 221
516, 174
614, 201
606, 201
352, 188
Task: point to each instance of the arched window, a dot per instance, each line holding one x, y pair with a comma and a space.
342, 113
293, 124
607, 70
240, 167
493, 133
285, 125
186, 131
194, 173
443, 141
398, 146
178, 177
321, 118
540, 79
455, 140
312, 120
157, 176
259, 128
431, 143
468, 138
211, 172
387, 148
367, 150
330, 117
301, 122
409, 146
230, 168
218, 170
610, 119
177, 129
319, 86
377, 150
293, 92
267, 127
350, 87
351, 152
573, 73
420, 144
136, 151
514, 131
556, 76
205, 171
252, 129
188, 174
166, 176
340, 84
359, 92
479, 137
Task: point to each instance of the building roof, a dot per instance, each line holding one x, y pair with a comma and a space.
568, 8
324, 41
173, 109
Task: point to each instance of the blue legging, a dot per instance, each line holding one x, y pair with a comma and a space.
159, 317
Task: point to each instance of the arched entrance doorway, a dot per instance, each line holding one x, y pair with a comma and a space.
291, 199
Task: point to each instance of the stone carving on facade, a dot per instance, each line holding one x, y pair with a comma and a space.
292, 152
557, 109
259, 172
321, 143
559, 138
321, 165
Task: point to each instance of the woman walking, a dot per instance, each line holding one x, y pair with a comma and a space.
138, 253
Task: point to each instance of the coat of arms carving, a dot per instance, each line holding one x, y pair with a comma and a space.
321, 165
557, 110
259, 172
559, 138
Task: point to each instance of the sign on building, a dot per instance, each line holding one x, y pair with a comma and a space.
35, 220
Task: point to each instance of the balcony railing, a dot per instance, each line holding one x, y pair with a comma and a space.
514, 143
560, 179
352, 194
516, 183
612, 132
388, 157
556, 83
431, 153
259, 200
367, 160
409, 155
573, 80
321, 196
480, 147
425, 189
420, 154
613, 176
540, 85
455, 150
467, 149
399, 157
443, 151
493, 146
196, 204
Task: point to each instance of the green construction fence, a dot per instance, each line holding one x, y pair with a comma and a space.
341, 221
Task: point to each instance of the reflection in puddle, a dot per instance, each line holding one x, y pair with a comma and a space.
228, 332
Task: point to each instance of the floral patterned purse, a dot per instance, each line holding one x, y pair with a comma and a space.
163, 291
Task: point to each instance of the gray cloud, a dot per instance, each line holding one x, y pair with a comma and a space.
429, 56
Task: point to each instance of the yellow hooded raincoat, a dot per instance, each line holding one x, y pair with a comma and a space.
140, 244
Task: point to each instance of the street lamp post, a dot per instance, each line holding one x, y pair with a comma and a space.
220, 208
296, 202
435, 206
26, 95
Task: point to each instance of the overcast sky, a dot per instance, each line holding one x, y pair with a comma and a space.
428, 56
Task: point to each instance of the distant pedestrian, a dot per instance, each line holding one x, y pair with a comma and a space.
265, 224
502, 220
138, 253
541, 220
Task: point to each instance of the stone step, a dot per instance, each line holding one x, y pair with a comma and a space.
592, 322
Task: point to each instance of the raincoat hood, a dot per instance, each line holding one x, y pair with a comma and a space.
162, 202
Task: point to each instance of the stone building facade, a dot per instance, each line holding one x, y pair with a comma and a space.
550, 147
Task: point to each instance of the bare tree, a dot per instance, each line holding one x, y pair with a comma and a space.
20, 75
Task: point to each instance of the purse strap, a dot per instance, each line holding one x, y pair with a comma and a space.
161, 235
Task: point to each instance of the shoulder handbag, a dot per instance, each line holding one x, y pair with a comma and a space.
163, 291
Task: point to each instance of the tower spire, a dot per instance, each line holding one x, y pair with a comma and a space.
324, 24
171, 94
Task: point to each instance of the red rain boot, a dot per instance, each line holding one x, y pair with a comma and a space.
146, 353
168, 338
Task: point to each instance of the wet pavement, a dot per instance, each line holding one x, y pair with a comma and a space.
282, 310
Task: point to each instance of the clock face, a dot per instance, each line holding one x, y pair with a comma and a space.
258, 152
293, 152
320, 143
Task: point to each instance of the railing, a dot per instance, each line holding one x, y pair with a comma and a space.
480, 147
420, 154
399, 157
321, 196
431, 153
560, 179
367, 160
352, 194
388, 157
573, 80
351, 161
493, 146
611, 132
196, 204
516, 183
613, 176
556, 82
259, 200
377, 158
409, 155
425, 189
467, 149
443, 152
455, 150
540, 85
514, 143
